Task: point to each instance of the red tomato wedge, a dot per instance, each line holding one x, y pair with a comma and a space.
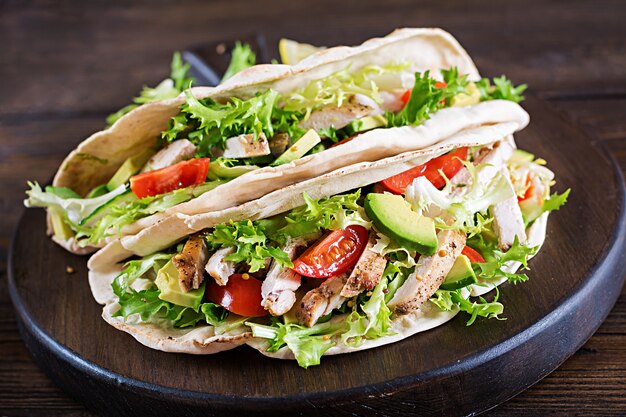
164, 180
530, 190
473, 255
449, 164
334, 254
240, 295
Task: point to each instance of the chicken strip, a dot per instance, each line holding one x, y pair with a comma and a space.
220, 269
190, 263
280, 284
508, 221
173, 153
337, 117
429, 273
367, 271
246, 146
322, 300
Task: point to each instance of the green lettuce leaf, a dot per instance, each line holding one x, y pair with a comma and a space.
251, 243
208, 124
332, 213
242, 57
502, 89
308, 344
448, 300
426, 99
75, 208
372, 322
492, 269
337, 88
556, 201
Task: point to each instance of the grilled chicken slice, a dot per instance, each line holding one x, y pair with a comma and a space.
337, 117
280, 284
246, 146
429, 273
367, 271
322, 300
190, 263
508, 220
173, 153
218, 268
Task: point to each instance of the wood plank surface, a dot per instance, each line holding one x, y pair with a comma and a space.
65, 66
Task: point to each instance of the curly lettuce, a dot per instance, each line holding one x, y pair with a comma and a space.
242, 57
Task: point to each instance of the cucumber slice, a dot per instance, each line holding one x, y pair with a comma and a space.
105, 209
366, 123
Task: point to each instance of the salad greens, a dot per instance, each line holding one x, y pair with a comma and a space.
242, 57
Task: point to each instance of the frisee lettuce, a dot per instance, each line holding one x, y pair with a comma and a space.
495, 260
251, 242
488, 187
307, 344
241, 58
502, 89
338, 87
208, 124
556, 201
448, 300
372, 321
332, 213
426, 99
168, 88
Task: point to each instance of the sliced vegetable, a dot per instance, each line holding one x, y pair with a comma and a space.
241, 295
334, 254
298, 149
461, 275
161, 181
473, 255
449, 164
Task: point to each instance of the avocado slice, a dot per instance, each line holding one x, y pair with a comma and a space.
461, 275
218, 169
531, 209
469, 97
129, 168
167, 282
98, 191
366, 123
392, 216
61, 229
298, 149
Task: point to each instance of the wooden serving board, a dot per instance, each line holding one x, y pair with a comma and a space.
450, 370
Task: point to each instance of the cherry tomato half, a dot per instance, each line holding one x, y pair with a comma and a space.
473, 255
449, 164
164, 180
334, 254
530, 190
240, 296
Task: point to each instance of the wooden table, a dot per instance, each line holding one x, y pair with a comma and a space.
65, 67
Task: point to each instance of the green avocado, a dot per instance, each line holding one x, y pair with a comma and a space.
219, 169
167, 282
298, 149
366, 123
129, 168
461, 275
469, 97
392, 216
61, 229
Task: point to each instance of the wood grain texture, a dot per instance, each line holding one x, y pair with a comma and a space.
88, 57
85, 61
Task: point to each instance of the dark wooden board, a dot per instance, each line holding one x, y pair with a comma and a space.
451, 370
